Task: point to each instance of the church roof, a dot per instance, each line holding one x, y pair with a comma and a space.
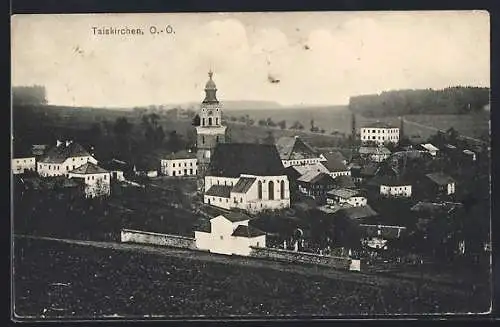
244, 184
210, 90
294, 148
235, 159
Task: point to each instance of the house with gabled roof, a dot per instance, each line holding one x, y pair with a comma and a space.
440, 184
336, 164
230, 234
181, 163
315, 184
63, 158
294, 151
97, 180
246, 176
339, 196
392, 186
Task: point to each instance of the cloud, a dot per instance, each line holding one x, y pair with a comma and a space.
346, 55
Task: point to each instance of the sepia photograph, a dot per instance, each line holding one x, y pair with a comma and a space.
258, 165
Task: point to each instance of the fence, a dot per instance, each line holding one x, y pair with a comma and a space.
344, 263
142, 237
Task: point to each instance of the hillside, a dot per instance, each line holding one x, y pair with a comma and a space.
452, 100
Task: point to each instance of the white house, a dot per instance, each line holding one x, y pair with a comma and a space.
342, 196
22, 164
430, 148
63, 158
396, 190
294, 151
97, 179
246, 176
379, 133
182, 163
230, 234
375, 154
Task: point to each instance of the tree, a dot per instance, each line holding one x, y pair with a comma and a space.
122, 127
262, 122
282, 124
175, 142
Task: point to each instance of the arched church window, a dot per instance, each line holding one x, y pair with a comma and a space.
282, 190
209, 121
271, 190
216, 121
259, 190
203, 122
203, 139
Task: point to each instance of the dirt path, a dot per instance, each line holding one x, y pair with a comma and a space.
363, 278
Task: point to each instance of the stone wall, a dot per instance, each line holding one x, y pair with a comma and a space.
301, 257
135, 236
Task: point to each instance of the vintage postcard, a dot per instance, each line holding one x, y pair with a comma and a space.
250, 165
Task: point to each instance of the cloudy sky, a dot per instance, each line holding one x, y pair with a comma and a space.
319, 58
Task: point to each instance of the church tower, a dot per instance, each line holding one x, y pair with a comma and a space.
210, 131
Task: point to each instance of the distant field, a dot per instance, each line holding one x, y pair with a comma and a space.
339, 119
61, 280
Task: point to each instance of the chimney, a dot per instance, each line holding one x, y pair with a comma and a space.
58, 143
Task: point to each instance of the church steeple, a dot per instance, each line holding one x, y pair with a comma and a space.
210, 90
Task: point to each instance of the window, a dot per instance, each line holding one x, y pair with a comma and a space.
173, 165
191, 171
257, 243
203, 122
209, 121
217, 120
49, 167
241, 200
173, 173
185, 164
221, 237
217, 139
92, 177
271, 190
203, 139
259, 190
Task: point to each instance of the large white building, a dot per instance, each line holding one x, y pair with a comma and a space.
97, 180
230, 234
379, 133
63, 158
182, 163
246, 176
294, 151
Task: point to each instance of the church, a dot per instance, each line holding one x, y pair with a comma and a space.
245, 176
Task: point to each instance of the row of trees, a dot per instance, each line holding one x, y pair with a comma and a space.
29, 95
452, 100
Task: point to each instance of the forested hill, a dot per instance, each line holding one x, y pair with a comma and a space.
453, 100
